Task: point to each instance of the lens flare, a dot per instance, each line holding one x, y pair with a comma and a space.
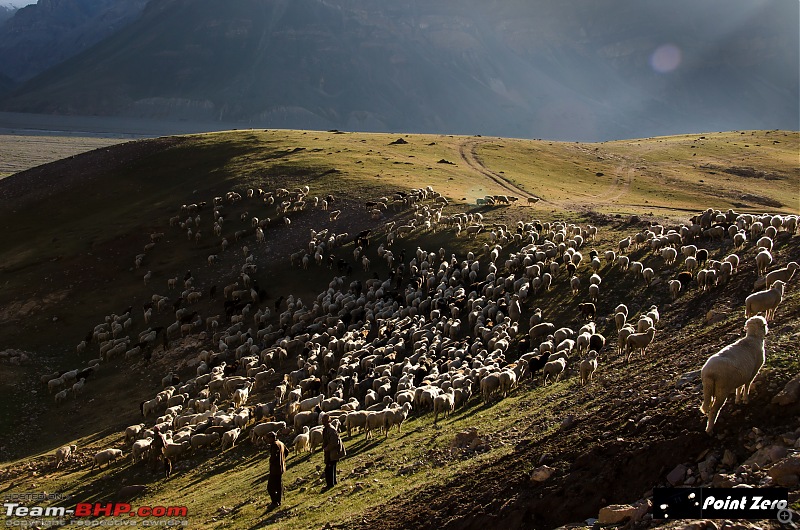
666, 58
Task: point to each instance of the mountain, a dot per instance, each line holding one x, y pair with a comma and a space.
579, 69
6, 12
44, 34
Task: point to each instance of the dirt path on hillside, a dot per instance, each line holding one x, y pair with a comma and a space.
618, 188
468, 153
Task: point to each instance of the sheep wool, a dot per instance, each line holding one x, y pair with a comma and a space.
733, 368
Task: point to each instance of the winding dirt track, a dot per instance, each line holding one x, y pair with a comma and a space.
620, 185
468, 152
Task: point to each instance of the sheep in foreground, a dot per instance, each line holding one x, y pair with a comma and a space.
587, 367
302, 442
173, 449
396, 416
674, 288
489, 385
106, 456
553, 368
640, 341
202, 440
260, 431
733, 368
785, 274
622, 338
64, 453
140, 449
229, 438
764, 301
763, 260
443, 403
355, 420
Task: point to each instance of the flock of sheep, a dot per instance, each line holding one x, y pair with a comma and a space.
428, 337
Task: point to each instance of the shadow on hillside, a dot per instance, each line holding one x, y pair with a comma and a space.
106, 488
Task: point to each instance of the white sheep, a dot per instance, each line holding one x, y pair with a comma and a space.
64, 453
785, 274
396, 416
140, 449
669, 255
639, 341
622, 337
733, 368
229, 438
132, 432
588, 367
674, 288
240, 396
489, 385
302, 442
62, 396
763, 260
202, 440
77, 388
375, 421
106, 456
355, 420
261, 430
553, 368
444, 404
175, 449
55, 384
764, 301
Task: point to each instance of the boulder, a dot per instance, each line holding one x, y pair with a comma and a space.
766, 455
786, 472
616, 513
728, 458
687, 378
465, 439
542, 473
790, 393
676, 476
712, 317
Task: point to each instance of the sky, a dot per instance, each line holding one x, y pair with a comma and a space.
17, 3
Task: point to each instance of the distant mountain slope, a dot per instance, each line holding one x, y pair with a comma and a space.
44, 34
6, 12
573, 70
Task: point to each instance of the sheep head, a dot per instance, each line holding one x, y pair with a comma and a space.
756, 327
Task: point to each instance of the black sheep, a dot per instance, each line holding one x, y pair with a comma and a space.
685, 278
596, 342
85, 373
702, 257
537, 363
185, 319
588, 310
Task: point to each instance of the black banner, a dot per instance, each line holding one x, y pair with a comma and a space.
721, 503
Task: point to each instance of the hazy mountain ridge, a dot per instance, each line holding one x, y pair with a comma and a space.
44, 34
574, 70
6, 12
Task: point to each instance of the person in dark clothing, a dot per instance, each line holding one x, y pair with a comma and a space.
157, 447
333, 449
277, 467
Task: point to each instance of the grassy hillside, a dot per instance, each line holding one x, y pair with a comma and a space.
71, 230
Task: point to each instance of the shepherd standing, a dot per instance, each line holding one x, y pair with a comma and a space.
277, 467
334, 450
